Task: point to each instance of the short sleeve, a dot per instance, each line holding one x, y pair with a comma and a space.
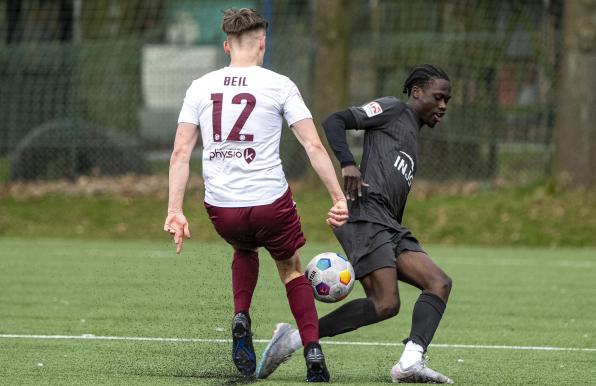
294, 108
190, 107
376, 113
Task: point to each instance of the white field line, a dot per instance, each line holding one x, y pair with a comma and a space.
197, 340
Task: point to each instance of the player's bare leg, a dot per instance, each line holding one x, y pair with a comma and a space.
417, 269
381, 287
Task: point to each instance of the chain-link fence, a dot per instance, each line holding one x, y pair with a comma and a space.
95, 86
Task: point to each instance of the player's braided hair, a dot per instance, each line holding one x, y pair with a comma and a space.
238, 21
421, 75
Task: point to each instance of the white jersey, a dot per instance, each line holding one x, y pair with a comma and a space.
239, 111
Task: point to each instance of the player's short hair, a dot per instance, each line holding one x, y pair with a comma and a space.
421, 75
238, 21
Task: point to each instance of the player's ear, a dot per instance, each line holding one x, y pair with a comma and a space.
416, 91
226, 47
263, 42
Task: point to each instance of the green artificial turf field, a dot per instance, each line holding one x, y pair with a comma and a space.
78, 312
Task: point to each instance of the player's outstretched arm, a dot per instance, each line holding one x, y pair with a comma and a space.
306, 133
176, 223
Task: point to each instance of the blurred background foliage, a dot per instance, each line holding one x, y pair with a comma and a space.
92, 88
125, 65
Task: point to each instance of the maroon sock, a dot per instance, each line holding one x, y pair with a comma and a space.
302, 304
245, 272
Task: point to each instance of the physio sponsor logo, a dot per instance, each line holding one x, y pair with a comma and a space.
249, 154
405, 165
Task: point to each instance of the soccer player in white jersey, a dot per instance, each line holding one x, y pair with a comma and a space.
239, 111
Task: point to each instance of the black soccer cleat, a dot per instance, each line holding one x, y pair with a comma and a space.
316, 370
243, 352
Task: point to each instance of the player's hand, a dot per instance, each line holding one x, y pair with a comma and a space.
353, 183
338, 214
177, 225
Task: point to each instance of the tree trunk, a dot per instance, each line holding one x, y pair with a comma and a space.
574, 159
331, 60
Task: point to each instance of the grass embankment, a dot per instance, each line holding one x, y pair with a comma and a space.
532, 216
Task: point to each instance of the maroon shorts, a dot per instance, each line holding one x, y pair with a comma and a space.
275, 226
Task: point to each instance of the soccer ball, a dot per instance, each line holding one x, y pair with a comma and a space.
331, 276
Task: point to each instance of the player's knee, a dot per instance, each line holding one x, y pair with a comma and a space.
441, 286
387, 309
446, 284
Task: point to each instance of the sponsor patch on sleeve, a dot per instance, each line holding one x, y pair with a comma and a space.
371, 109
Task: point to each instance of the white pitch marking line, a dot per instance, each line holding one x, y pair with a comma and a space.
197, 340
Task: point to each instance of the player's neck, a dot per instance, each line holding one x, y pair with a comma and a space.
245, 59
412, 107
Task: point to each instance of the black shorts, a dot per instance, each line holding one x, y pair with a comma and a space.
370, 246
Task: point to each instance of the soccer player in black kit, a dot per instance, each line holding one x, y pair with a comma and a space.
379, 247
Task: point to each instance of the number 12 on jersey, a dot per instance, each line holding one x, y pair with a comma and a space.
234, 135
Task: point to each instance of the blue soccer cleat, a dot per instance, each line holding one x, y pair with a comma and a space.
243, 352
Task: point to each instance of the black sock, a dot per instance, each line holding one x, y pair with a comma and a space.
426, 316
349, 317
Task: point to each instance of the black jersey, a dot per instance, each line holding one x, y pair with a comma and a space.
389, 160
